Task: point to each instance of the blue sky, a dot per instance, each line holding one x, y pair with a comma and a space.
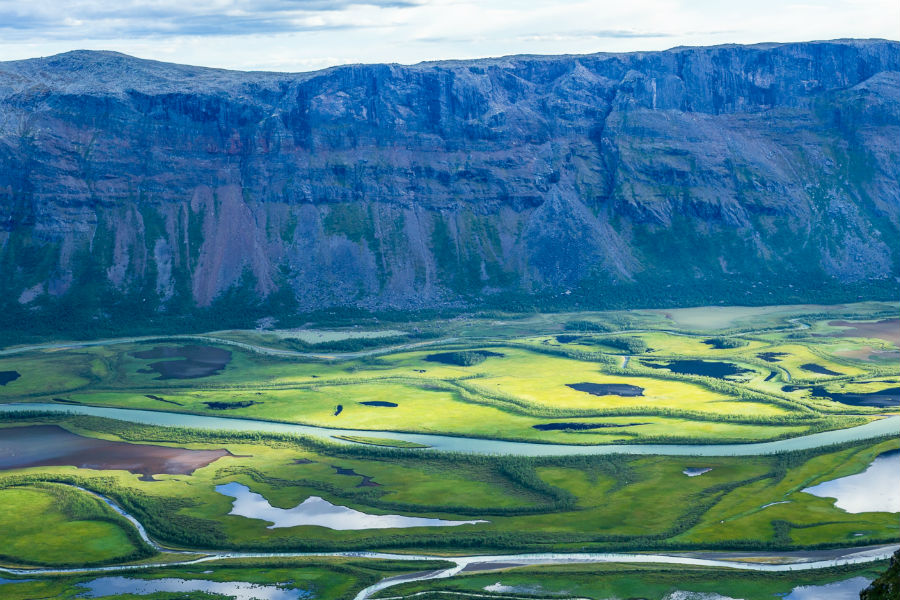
301, 35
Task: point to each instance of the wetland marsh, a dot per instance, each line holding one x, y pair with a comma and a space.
505, 435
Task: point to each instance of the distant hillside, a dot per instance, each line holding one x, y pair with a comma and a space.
746, 174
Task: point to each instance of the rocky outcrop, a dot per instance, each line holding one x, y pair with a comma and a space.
887, 586
741, 168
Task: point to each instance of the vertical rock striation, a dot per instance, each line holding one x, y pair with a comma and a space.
734, 169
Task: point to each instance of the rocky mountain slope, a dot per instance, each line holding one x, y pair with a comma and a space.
695, 174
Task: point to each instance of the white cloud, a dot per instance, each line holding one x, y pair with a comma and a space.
309, 34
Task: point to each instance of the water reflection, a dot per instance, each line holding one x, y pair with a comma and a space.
318, 511
840, 590
696, 471
874, 490
239, 590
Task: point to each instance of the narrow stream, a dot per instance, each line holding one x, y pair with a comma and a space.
801, 560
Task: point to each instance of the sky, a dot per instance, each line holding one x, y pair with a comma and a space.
303, 35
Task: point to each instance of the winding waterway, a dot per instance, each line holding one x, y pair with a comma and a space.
753, 561
888, 426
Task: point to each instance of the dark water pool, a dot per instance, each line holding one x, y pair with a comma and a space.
383, 403
886, 398
608, 389
818, 369
708, 368
582, 426
49, 445
8, 376
194, 361
771, 357
367, 480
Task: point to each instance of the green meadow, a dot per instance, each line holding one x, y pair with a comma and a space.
715, 375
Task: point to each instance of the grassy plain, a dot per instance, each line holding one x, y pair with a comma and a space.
58, 525
541, 504
514, 393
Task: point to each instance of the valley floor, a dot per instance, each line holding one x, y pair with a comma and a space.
398, 424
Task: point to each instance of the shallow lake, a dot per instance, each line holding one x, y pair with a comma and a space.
239, 590
7, 376
195, 361
886, 329
880, 398
877, 489
708, 368
840, 590
608, 389
321, 512
49, 445
696, 471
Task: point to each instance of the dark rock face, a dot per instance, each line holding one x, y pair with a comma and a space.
450, 183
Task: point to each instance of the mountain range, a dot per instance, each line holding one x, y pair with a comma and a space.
739, 174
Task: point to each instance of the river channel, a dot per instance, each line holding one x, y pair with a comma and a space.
888, 426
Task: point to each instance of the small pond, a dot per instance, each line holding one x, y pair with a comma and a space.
608, 389
771, 357
696, 471
383, 403
848, 589
888, 397
195, 361
886, 329
818, 369
239, 590
708, 368
8, 376
877, 489
564, 426
49, 445
318, 511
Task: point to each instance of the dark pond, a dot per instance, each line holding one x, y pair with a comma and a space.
771, 376
888, 397
231, 405
814, 368
196, 361
462, 358
608, 389
7, 376
159, 399
581, 426
771, 356
49, 445
366, 479
66, 401
338, 409
708, 368
380, 403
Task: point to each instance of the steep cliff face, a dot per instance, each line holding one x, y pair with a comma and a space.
452, 183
